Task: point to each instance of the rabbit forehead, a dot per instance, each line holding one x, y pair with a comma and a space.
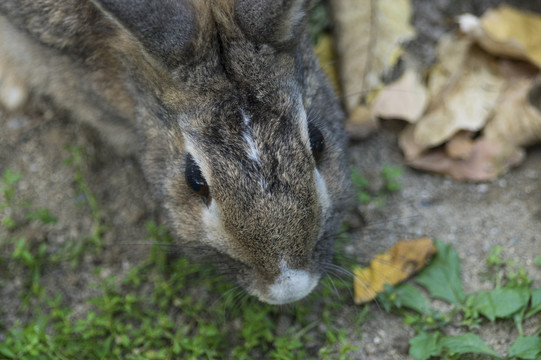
252, 152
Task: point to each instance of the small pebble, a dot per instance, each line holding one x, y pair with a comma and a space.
482, 188
532, 174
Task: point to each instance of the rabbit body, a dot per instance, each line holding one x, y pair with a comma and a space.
225, 105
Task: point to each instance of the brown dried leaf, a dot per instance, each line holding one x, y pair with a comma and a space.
407, 143
488, 160
516, 121
474, 92
405, 99
460, 146
464, 92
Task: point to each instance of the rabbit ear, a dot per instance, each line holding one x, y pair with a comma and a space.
274, 21
165, 28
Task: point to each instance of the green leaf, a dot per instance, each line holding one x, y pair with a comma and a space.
11, 177
391, 175
495, 257
466, 343
358, 180
8, 222
442, 277
526, 347
408, 296
535, 303
502, 302
424, 346
7, 185
4, 350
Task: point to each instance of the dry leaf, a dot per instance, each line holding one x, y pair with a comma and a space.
487, 161
369, 34
452, 51
405, 99
506, 31
463, 93
407, 143
460, 146
477, 94
400, 262
516, 121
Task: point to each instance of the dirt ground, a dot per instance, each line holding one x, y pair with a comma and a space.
473, 217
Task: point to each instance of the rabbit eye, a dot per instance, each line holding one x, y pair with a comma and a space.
317, 141
195, 179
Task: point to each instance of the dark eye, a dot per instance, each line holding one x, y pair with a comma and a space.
195, 178
317, 141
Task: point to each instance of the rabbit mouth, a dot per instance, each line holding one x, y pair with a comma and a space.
289, 286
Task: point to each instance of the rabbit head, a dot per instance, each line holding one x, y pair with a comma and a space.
245, 144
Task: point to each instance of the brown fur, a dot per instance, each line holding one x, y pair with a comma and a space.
186, 71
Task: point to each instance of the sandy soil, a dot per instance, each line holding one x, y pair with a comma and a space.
473, 217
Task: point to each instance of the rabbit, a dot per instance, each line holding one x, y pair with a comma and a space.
224, 104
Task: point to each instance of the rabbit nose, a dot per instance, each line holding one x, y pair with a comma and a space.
290, 285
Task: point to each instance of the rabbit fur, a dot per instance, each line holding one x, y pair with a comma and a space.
227, 90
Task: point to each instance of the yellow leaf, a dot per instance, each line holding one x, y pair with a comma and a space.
515, 31
506, 31
404, 259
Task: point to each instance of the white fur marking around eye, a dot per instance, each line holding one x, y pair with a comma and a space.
213, 227
322, 193
291, 285
302, 121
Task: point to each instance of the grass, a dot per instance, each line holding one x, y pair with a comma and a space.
7, 189
389, 184
77, 159
163, 308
